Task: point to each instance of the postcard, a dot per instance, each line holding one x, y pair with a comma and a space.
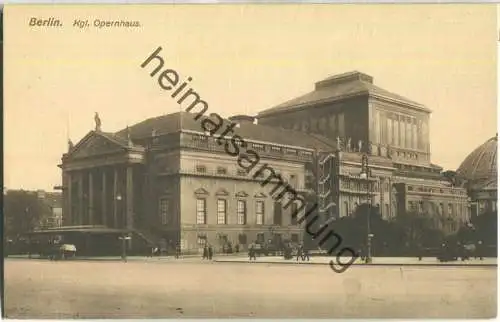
250, 161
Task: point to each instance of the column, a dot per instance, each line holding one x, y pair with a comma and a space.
91, 198
103, 199
67, 192
115, 199
130, 198
79, 221
396, 131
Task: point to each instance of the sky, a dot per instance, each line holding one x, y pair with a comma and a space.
243, 59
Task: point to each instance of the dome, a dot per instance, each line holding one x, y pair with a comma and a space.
481, 164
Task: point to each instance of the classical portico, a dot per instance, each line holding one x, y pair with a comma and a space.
99, 176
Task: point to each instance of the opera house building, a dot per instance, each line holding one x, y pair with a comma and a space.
167, 180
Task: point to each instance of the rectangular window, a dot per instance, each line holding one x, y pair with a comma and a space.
164, 211
295, 238
201, 169
376, 126
276, 149
341, 125
201, 211
415, 135
402, 132
259, 212
395, 131
221, 211
241, 172
221, 170
242, 212
390, 138
294, 214
408, 134
259, 147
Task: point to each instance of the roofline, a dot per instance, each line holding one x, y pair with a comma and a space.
286, 109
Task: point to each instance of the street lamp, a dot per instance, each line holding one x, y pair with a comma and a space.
124, 239
365, 174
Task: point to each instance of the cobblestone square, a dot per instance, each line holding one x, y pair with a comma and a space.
192, 288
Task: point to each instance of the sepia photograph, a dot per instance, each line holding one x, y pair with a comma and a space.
250, 161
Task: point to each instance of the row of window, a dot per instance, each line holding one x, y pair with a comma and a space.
333, 124
240, 172
420, 206
399, 130
436, 190
259, 147
241, 212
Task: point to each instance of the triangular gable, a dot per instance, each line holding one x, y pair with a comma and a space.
94, 144
201, 191
242, 194
260, 195
222, 192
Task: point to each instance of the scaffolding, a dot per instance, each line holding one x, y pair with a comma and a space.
326, 186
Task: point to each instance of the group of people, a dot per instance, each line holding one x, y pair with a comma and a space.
302, 253
208, 252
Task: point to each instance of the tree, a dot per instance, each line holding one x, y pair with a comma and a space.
418, 230
22, 212
485, 227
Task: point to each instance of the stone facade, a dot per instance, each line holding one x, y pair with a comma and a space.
169, 178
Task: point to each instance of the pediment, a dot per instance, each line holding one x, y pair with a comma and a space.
260, 195
242, 194
201, 191
222, 192
94, 144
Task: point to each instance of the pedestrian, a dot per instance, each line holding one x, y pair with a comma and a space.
251, 253
479, 249
205, 252
177, 250
299, 253
210, 252
305, 254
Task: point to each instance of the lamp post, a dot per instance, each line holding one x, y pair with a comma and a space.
124, 239
124, 236
365, 174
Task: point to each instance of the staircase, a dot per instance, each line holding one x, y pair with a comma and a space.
148, 237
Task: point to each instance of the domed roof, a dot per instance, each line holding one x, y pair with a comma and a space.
481, 164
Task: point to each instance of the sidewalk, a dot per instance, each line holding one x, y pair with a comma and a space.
315, 260
388, 261
192, 257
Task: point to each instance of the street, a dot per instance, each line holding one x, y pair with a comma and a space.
196, 289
